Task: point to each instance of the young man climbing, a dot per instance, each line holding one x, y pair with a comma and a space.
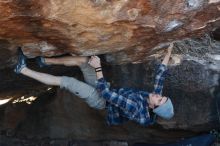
122, 105
127, 104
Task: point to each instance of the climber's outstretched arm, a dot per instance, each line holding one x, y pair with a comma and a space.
167, 56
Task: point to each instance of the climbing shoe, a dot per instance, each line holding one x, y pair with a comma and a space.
41, 61
21, 62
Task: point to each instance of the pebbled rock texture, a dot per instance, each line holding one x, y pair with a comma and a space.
127, 30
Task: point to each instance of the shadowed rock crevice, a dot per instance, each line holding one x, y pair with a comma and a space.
216, 34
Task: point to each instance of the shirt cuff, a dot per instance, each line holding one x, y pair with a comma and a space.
163, 66
101, 80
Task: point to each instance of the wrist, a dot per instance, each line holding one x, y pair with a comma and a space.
98, 69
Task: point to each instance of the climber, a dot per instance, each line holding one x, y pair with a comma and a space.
127, 104
122, 106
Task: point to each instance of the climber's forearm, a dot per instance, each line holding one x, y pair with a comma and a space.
166, 59
167, 56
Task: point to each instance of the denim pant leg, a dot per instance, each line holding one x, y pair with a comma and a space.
84, 91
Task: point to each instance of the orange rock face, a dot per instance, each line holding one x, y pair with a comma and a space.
127, 30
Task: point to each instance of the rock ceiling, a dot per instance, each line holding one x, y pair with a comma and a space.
129, 31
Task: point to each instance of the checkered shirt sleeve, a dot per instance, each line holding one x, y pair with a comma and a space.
159, 79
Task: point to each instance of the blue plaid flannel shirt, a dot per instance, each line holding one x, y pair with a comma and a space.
128, 104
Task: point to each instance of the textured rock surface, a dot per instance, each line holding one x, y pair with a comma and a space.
216, 34
130, 29
65, 116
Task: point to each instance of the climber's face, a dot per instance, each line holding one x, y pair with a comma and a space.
156, 100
